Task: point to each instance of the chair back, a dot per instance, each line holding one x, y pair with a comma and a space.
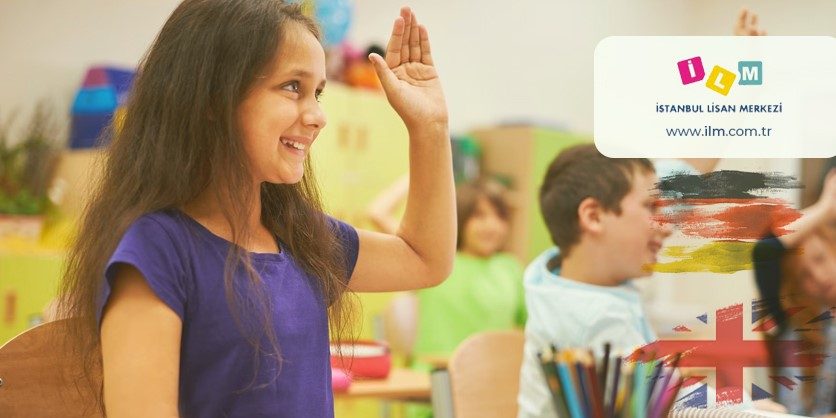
39, 378
485, 374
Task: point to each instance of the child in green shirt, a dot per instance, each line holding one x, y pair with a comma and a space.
484, 291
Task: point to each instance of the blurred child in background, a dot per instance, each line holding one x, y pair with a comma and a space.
798, 270
484, 291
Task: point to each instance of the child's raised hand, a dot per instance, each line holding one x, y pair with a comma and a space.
408, 76
747, 24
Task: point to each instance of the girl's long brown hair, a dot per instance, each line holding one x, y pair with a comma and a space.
178, 135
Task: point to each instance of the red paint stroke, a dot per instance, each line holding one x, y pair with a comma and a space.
739, 221
692, 380
784, 381
681, 328
729, 395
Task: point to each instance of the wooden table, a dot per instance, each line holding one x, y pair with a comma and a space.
400, 385
435, 361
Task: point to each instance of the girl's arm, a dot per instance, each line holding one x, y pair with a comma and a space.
421, 253
140, 338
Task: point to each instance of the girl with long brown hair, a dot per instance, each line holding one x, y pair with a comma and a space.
204, 269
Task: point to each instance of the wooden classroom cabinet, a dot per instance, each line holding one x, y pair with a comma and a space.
28, 282
362, 151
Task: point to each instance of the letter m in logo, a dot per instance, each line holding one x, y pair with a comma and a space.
751, 73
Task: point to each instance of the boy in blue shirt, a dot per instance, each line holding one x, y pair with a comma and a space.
600, 214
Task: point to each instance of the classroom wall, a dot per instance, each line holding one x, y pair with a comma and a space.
532, 59
47, 45
521, 60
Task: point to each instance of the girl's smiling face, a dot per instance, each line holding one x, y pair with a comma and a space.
280, 117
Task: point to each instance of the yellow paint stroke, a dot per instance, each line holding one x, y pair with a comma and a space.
715, 257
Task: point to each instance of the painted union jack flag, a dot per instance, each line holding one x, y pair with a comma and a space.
729, 353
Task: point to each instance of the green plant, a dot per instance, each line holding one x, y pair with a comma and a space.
27, 165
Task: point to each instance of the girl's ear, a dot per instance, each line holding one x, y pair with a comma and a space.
589, 216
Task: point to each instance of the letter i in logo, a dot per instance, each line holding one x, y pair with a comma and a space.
691, 70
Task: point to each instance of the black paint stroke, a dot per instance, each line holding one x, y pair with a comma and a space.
725, 184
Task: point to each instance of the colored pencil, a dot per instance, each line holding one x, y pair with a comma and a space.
568, 386
583, 387
657, 369
614, 387
602, 376
595, 395
547, 361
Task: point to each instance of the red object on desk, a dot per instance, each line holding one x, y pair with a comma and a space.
362, 359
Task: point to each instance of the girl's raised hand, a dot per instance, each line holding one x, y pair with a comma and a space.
409, 77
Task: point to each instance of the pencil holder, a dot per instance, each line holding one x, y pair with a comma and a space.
583, 385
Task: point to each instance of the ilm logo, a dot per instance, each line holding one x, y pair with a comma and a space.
721, 79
